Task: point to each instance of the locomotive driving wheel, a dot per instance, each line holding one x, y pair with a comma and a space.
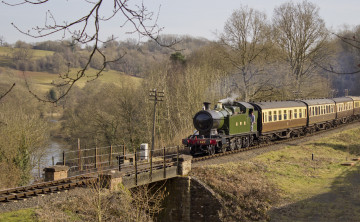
232, 145
211, 149
245, 142
238, 143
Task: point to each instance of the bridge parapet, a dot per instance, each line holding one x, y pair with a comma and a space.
114, 179
57, 172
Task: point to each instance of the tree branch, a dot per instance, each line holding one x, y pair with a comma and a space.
3, 95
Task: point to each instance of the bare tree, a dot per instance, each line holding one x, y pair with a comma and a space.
302, 36
246, 36
85, 30
350, 43
2, 40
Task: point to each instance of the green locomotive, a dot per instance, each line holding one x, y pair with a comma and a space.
228, 126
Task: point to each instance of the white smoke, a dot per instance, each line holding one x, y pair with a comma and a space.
230, 100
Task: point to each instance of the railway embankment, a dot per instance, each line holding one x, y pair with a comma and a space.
298, 181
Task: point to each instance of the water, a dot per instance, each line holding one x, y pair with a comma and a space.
54, 150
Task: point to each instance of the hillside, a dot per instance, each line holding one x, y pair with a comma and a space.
44, 61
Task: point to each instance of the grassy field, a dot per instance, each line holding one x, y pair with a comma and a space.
41, 81
307, 190
6, 51
25, 215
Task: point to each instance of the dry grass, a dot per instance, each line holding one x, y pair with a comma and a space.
99, 204
245, 192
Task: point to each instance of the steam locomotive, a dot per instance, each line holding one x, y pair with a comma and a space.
229, 126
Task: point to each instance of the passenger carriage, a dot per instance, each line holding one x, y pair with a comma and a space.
356, 101
281, 119
321, 113
344, 109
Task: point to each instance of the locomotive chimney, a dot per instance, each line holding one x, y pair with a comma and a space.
207, 105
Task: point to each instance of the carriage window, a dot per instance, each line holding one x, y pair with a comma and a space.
285, 116
270, 116
266, 116
295, 114
304, 112
280, 116
300, 113
275, 116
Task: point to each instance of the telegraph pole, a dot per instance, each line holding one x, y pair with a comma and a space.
297, 94
156, 96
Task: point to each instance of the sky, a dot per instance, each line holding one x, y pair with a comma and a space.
197, 18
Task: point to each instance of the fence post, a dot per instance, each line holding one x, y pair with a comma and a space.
53, 160
64, 158
124, 151
110, 155
119, 162
164, 162
177, 159
96, 154
136, 179
151, 155
79, 151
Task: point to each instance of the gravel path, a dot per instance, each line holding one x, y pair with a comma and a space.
253, 153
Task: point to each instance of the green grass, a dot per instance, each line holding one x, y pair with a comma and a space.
294, 171
24, 215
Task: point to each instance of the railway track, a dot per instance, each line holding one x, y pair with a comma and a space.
19, 193
203, 158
